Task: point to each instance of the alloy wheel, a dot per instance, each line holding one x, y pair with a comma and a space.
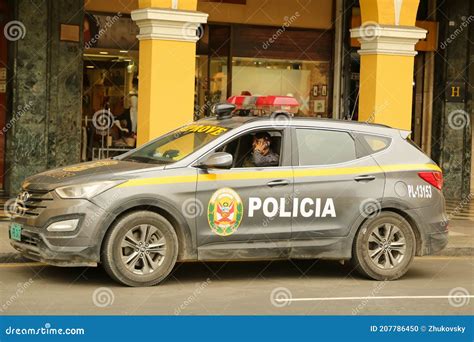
143, 249
387, 246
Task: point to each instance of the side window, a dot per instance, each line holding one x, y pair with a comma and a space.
243, 149
376, 143
324, 147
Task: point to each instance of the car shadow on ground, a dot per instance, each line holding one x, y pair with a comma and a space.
193, 272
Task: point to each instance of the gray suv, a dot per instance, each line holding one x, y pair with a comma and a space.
240, 188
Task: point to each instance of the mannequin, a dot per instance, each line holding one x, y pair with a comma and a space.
133, 109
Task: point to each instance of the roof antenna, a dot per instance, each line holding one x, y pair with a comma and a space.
223, 110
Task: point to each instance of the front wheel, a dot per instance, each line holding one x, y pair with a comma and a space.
140, 249
384, 247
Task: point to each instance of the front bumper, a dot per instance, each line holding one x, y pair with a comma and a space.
34, 246
79, 247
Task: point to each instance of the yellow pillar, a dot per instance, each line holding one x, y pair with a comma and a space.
168, 36
388, 36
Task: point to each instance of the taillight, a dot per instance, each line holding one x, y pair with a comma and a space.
435, 178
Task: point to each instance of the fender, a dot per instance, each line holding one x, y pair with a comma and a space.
399, 207
186, 235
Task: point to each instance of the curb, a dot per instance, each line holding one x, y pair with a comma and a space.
456, 251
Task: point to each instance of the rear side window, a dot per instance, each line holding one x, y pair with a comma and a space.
322, 147
376, 143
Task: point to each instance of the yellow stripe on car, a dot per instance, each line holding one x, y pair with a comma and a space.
242, 175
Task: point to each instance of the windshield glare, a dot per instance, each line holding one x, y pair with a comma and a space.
177, 144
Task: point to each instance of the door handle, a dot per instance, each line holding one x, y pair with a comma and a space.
364, 178
278, 182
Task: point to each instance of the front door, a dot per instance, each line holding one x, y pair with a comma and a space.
335, 183
246, 207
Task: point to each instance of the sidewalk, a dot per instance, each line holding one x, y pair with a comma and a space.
461, 241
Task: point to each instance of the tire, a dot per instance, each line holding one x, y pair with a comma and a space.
148, 241
388, 261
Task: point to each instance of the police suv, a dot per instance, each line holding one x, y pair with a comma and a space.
336, 190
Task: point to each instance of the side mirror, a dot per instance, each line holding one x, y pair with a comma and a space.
217, 160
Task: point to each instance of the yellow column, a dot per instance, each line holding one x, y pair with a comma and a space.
168, 35
388, 36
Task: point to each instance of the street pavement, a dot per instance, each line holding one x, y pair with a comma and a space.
433, 286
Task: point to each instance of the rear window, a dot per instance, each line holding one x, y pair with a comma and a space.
324, 147
376, 143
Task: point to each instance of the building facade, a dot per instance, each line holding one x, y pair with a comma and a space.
66, 66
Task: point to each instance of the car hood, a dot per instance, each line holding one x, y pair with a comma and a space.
95, 171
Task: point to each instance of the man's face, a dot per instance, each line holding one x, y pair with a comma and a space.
261, 145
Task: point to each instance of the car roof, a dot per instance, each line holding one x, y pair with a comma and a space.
237, 121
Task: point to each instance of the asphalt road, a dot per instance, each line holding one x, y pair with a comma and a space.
274, 288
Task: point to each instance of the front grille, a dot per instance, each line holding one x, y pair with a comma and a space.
33, 202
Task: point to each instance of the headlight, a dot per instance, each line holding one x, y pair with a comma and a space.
88, 190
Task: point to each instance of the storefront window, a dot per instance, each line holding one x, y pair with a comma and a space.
305, 80
238, 64
218, 79
110, 88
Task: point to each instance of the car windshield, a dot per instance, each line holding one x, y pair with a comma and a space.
177, 144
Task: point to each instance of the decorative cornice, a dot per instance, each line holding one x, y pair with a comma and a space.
169, 24
378, 39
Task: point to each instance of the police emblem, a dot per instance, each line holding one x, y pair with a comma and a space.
225, 211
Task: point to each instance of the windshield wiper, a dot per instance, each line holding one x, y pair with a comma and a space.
143, 159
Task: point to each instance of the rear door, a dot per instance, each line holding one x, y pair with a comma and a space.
335, 183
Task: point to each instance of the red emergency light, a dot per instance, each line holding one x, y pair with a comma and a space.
273, 103
265, 105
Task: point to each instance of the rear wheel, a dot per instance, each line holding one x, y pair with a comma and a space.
384, 247
140, 249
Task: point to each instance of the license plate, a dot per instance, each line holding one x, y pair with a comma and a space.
15, 231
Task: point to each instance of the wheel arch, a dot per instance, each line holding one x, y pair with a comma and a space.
403, 213
186, 238
413, 224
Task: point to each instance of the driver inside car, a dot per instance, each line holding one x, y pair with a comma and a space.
262, 154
